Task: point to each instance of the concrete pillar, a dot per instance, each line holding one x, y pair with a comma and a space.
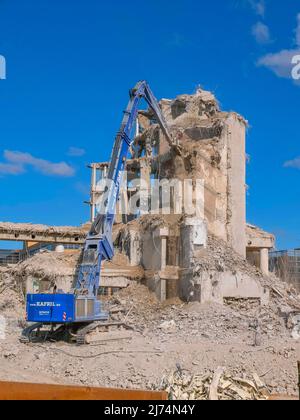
264, 260
135, 249
118, 217
236, 223
93, 192
145, 185
163, 290
164, 233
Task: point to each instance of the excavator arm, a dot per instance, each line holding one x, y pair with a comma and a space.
99, 244
81, 304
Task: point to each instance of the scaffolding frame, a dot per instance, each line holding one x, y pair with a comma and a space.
286, 264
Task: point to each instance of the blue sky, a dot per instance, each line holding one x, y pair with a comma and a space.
70, 65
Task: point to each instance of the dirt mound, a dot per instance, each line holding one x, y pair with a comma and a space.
11, 295
11, 303
151, 222
121, 262
47, 266
218, 256
5, 277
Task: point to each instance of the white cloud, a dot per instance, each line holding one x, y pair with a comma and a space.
16, 163
76, 152
295, 163
259, 6
11, 169
261, 33
280, 62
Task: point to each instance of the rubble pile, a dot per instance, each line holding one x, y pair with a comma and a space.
29, 228
200, 109
11, 295
164, 335
191, 321
221, 385
220, 257
48, 265
5, 278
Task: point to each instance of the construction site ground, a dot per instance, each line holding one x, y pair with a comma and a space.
188, 339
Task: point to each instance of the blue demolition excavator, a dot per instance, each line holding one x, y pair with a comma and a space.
80, 311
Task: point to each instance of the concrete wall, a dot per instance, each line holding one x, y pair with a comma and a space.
217, 286
193, 239
151, 245
237, 183
217, 154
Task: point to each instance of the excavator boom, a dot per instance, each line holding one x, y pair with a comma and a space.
81, 305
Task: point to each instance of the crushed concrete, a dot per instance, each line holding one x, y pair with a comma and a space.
11, 296
47, 265
221, 385
61, 268
30, 228
256, 343
165, 337
242, 336
256, 232
218, 256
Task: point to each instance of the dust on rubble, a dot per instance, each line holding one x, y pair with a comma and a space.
174, 345
191, 339
47, 265
29, 228
220, 385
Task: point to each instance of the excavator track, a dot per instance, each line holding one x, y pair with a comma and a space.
26, 336
82, 333
35, 333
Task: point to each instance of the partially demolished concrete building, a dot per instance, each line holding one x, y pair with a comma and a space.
167, 242
181, 219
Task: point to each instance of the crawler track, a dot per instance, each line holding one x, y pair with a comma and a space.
83, 333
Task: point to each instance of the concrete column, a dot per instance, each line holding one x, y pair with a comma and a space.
118, 217
236, 223
163, 290
163, 253
164, 233
135, 249
93, 192
264, 260
145, 185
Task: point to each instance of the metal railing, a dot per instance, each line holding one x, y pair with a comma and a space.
14, 257
9, 257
